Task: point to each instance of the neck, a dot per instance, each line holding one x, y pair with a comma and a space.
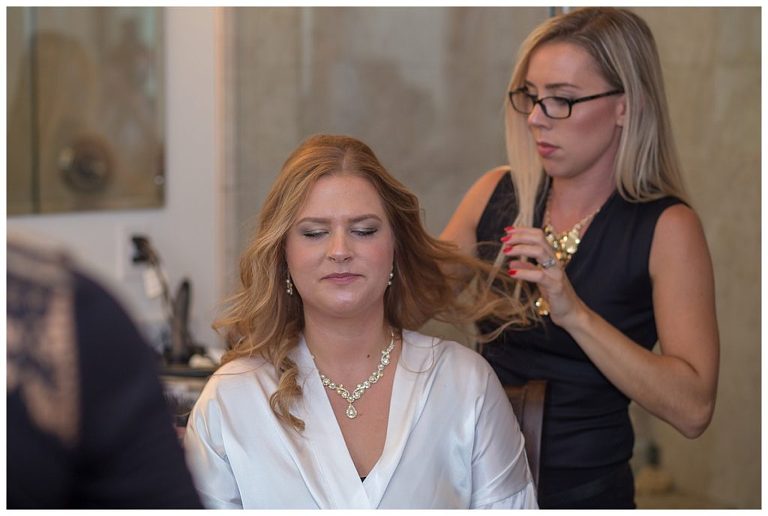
573, 198
345, 341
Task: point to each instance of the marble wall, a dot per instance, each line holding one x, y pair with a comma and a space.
711, 59
424, 87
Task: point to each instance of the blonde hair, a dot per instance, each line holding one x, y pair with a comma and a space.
261, 319
624, 50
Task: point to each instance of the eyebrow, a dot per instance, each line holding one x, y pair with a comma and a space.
353, 220
554, 85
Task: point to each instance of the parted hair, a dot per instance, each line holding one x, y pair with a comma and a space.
624, 49
261, 319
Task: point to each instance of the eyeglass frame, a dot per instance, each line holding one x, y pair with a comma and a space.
570, 102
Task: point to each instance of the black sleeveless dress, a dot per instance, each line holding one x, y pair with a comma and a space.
587, 437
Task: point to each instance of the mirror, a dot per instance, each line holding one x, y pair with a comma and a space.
85, 109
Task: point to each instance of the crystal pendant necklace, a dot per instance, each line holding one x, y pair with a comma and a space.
363, 386
564, 244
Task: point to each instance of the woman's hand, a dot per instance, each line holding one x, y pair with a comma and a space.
547, 272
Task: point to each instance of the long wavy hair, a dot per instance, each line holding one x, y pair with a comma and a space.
261, 319
622, 45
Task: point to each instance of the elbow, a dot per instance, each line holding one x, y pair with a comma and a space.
697, 420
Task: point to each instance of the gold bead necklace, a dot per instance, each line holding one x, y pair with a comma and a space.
564, 244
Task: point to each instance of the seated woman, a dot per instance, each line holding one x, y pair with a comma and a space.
327, 397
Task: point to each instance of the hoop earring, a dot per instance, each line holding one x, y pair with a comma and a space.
289, 285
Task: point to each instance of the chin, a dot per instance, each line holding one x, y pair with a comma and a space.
555, 173
352, 307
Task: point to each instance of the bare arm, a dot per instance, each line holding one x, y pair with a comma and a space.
462, 227
679, 384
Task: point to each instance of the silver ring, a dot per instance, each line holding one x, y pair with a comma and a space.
548, 263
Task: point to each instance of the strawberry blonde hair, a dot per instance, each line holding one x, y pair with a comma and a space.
261, 319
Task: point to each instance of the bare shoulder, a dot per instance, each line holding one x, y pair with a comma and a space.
461, 228
480, 192
679, 223
679, 216
485, 185
679, 239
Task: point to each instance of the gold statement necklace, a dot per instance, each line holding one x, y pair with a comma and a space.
564, 244
363, 386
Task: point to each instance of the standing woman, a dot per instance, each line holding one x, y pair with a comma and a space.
591, 216
326, 399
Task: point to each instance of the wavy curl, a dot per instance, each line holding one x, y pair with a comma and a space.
430, 282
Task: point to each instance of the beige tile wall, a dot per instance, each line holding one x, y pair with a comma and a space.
711, 59
424, 87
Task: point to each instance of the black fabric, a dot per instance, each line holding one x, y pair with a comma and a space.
586, 419
602, 488
126, 453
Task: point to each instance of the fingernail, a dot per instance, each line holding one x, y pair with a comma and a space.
506, 249
512, 272
509, 228
505, 238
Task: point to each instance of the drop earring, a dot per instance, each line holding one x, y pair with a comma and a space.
289, 285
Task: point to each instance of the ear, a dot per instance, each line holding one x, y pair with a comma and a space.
621, 110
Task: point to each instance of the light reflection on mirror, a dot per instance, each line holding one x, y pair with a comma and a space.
85, 109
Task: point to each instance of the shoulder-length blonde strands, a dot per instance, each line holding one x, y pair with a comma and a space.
261, 319
624, 49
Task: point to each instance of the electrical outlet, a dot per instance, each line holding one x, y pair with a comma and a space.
127, 270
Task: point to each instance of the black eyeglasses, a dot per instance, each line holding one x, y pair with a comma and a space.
553, 107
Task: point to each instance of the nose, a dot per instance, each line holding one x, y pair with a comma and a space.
537, 118
338, 247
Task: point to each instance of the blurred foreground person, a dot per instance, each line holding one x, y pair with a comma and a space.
87, 425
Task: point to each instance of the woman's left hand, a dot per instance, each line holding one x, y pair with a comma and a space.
547, 272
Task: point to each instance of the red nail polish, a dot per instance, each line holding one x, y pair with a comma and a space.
506, 249
505, 238
512, 272
509, 228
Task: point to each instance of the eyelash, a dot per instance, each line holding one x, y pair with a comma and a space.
363, 233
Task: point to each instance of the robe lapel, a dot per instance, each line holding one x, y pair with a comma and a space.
413, 379
320, 452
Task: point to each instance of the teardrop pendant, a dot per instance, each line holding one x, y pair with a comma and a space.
362, 387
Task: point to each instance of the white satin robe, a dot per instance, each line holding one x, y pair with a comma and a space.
452, 439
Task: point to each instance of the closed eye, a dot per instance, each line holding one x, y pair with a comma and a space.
365, 232
313, 234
